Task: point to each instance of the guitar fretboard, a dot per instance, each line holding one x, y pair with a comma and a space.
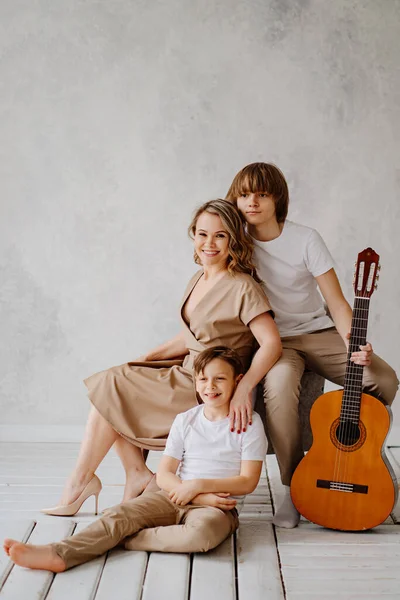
351, 401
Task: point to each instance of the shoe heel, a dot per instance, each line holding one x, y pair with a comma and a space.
96, 499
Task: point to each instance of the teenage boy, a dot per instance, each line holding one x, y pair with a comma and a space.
204, 475
293, 261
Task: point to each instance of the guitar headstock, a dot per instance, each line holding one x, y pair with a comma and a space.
366, 273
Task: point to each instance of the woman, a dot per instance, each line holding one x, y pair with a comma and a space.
135, 404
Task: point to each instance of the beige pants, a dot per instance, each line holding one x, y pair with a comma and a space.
173, 529
324, 353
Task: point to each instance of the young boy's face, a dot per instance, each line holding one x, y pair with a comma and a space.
216, 384
256, 207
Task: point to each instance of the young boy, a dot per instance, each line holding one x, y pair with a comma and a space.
293, 261
204, 475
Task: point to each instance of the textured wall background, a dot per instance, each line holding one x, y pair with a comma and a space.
118, 118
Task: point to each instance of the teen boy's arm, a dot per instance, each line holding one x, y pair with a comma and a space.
341, 314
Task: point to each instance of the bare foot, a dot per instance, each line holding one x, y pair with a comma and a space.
136, 483
35, 557
7, 545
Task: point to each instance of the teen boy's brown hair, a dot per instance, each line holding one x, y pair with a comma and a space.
262, 177
222, 352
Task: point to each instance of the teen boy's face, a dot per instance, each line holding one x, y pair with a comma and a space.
211, 240
217, 383
256, 207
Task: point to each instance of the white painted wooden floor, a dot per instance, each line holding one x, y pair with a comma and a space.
260, 563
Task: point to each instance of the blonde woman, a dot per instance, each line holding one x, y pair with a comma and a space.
135, 404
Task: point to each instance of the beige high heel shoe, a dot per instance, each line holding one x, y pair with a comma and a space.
93, 488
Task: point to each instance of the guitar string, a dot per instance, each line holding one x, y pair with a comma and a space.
346, 420
352, 401
348, 405
337, 472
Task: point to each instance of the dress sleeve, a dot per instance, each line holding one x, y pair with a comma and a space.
318, 259
254, 444
174, 446
254, 301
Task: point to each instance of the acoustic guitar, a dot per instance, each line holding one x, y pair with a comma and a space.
345, 481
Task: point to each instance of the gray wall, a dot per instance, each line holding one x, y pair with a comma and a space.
118, 118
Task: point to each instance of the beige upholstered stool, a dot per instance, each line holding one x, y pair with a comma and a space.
312, 386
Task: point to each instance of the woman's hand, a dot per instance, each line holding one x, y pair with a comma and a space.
220, 500
364, 356
241, 409
185, 492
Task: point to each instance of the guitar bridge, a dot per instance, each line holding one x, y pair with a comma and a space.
341, 486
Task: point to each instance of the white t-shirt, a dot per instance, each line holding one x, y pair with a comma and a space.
209, 450
288, 265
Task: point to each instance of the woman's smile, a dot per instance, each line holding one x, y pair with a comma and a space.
211, 240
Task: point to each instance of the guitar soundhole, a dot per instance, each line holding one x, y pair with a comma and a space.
348, 433
348, 436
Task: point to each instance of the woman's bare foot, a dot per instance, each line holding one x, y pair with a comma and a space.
34, 557
136, 483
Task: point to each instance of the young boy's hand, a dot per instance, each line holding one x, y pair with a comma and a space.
222, 501
184, 492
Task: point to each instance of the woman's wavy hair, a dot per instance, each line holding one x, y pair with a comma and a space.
240, 243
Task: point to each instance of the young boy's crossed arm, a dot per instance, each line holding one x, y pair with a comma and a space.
210, 492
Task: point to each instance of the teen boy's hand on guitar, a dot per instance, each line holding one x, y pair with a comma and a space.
364, 356
220, 500
184, 492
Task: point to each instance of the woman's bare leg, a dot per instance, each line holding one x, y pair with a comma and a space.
98, 438
137, 473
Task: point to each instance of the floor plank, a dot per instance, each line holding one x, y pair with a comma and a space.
37, 582
213, 574
308, 533
83, 580
123, 575
309, 555
16, 530
167, 577
257, 561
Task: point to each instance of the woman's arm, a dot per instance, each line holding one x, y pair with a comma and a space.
266, 333
341, 313
174, 348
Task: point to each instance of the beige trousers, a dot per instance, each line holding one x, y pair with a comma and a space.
323, 352
173, 529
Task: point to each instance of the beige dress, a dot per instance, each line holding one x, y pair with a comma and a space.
141, 399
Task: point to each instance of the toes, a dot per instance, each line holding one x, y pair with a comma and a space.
7, 545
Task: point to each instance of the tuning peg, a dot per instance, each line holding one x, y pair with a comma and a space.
377, 277
379, 267
376, 286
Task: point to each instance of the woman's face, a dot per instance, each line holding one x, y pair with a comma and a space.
211, 240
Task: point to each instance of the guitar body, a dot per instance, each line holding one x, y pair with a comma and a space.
345, 481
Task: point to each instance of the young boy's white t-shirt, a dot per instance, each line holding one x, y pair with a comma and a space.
288, 266
209, 450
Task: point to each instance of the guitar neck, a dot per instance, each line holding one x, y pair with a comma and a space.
351, 402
